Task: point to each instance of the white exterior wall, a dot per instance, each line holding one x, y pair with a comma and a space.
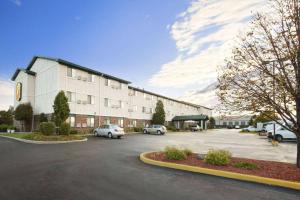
28, 87
51, 77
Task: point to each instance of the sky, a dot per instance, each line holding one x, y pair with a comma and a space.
171, 47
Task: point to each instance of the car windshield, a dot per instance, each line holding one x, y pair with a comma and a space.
114, 126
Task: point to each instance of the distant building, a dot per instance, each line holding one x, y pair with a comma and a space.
96, 98
226, 121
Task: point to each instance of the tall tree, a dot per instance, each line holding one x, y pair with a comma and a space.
61, 108
6, 117
159, 115
211, 122
24, 114
264, 72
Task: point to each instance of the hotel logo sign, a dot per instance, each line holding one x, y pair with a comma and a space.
19, 91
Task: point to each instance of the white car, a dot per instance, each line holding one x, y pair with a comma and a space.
109, 131
249, 129
157, 129
282, 134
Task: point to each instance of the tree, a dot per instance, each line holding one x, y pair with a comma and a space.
24, 114
263, 73
6, 117
43, 118
212, 123
159, 115
61, 108
264, 117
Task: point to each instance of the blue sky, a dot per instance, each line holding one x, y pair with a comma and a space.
171, 47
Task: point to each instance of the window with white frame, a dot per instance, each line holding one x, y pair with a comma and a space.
107, 121
135, 108
71, 121
90, 99
91, 78
151, 110
90, 121
70, 96
107, 82
121, 122
134, 123
144, 109
121, 104
71, 72
106, 102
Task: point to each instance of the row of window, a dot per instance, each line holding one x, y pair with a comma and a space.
90, 122
113, 104
72, 98
71, 72
242, 123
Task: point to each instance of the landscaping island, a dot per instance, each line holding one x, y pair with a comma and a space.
41, 137
220, 163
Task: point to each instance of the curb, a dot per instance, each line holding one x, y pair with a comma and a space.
43, 142
226, 174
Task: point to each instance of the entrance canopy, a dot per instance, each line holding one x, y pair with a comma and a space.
190, 117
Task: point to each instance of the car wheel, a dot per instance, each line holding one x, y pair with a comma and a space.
278, 138
110, 136
159, 132
95, 133
145, 131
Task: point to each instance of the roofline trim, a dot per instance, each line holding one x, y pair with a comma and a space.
18, 70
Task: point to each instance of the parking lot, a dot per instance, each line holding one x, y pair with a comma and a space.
110, 169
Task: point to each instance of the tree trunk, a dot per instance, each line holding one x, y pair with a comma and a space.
298, 128
298, 150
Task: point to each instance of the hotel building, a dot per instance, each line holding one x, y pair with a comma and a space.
96, 98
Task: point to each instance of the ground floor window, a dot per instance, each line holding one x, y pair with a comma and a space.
71, 121
243, 123
90, 121
225, 123
107, 121
121, 122
236, 123
134, 123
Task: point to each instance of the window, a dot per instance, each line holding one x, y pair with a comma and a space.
90, 121
70, 96
90, 99
91, 78
230, 123
243, 123
135, 108
71, 72
106, 102
144, 109
151, 110
134, 123
71, 121
107, 121
225, 123
237, 123
107, 82
120, 122
121, 104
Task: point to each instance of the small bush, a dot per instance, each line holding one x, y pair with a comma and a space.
187, 152
138, 129
245, 165
47, 128
64, 129
3, 127
171, 128
217, 157
73, 132
173, 153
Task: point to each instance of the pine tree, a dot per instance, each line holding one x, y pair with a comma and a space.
159, 115
61, 108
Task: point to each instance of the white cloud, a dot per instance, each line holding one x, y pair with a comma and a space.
203, 34
16, 2
6, 94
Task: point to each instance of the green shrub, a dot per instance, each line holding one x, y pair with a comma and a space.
245, 165
73, 132
64, 129
3, 127
217, 157
173, 153
187, 152
128, 129
47, 128
171, 128
138, 129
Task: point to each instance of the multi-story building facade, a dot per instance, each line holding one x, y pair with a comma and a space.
231, 121
94, 98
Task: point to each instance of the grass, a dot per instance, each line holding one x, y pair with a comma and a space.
40, 137
246, 165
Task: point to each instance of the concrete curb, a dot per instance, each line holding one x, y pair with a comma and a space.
232, 175
43, 142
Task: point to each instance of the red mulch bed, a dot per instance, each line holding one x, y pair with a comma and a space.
269, 169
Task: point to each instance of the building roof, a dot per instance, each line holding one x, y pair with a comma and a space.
178, 101
190, 117
23, 70
75, 66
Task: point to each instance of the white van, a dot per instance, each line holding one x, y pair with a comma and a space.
281, 134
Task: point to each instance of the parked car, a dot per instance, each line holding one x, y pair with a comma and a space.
109, 131
195, 127
249, 129
237, 127
281, 134
156, 129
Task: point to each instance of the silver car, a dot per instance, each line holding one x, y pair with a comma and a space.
157, 129
110, 131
